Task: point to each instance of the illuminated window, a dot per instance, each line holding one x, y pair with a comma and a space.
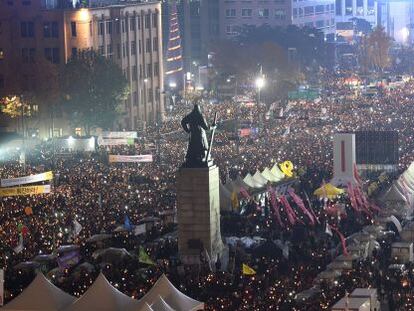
264, 13
78, 131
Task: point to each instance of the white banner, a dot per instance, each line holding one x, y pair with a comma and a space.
1, 287
119, 134
140, 229
115, 141
130, 159
27, 179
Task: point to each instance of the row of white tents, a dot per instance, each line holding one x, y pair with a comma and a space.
42, 295
400, 196
251, 183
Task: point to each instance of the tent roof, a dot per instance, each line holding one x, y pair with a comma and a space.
328, 190
161, 305
101, 295
239, 182
277, 172
269, 175
145, 307
260, 179
171, 295
393, 194
253, 183
40, 295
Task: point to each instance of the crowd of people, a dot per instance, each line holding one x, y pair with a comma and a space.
100, 196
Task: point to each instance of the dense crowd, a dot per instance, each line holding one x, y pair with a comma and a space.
100, 196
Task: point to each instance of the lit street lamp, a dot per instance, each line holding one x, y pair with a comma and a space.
260, 83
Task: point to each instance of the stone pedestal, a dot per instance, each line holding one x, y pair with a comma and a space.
198, 214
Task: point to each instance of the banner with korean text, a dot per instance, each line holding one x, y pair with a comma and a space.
27, 179
130, 158
115, 141
29, 190
119, 134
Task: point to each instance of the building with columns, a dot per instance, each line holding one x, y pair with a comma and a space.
130, 33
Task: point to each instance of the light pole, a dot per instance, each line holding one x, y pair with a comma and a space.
260, 82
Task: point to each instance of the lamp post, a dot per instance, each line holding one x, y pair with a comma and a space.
260, 82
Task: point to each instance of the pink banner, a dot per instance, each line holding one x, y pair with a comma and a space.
293, 218
343, 241
352, 198
311, 209
298, 201
356, 175
275, 206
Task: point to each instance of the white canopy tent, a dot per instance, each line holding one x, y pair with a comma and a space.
394, 195
161, 305
146, 307
40, 295
275, 170
266, 173
101, 295
253, 183
260, 179
175, 299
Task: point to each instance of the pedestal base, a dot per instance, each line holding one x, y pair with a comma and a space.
198, 213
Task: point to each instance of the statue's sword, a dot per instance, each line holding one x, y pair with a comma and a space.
212, 136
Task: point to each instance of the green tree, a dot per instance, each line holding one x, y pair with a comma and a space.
93, 89
374, 50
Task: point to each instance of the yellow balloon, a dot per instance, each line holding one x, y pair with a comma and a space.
287, 168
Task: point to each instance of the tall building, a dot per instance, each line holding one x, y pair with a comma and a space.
346, 10
397, 18
199, 27
174, 73
235, 14
127, 32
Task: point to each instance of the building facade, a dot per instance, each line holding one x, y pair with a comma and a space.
346, 10
130, 34
397, 18
199, 28
235, 14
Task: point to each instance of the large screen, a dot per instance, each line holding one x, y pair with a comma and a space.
376, 147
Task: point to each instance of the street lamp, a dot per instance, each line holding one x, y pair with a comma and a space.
260, 83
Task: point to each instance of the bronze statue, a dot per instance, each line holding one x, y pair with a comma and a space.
198, 151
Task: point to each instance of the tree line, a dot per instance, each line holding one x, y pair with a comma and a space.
88, 89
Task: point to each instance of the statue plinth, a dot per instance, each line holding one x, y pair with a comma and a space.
198, 212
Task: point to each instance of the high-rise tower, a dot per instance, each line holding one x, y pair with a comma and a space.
174, 74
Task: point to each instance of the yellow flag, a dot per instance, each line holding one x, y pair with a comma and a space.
247, 270
234, 201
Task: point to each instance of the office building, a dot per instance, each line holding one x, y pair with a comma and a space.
236, 14
127, 32
346, 10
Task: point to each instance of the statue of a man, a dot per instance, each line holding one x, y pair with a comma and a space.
195, 124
